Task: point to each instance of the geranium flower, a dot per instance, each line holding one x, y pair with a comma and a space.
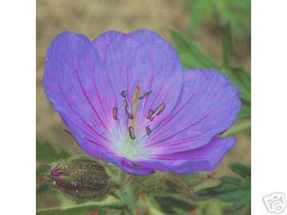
127, 100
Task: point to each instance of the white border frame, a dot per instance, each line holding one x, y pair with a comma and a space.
18, 107
17, 93
269, 101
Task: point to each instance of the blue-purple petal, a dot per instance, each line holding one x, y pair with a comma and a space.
74, 84
142, 58
204, 158
208, 106
84, 80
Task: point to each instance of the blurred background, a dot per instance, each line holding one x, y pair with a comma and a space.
202, 21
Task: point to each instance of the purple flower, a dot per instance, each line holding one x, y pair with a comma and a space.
127, 100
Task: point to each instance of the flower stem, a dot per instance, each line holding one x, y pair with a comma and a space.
102, 204
126, 193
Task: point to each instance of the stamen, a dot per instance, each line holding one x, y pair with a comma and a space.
149, 114
124, 93
146, 94
160, 109
127, 110
132, 133
148, 130
130, 115
115, 113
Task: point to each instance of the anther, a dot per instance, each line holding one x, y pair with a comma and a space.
115, 113
150, 114
148, 130
146, 94
127, 110
132, 133
124, 93
130, 115
160, 109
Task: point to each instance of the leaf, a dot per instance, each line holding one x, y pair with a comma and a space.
231, 189
236, 13
213, 207
195, 178
245, 111
81, 209
241, 169
45, 152
235, 76
187, 47
173, 205
240, 126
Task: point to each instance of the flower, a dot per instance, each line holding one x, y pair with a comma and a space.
127, 100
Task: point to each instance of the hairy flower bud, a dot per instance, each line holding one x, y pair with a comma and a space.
80, 177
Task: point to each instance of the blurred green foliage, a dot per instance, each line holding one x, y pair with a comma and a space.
173, 205
46, 153
100, 208
236, 190
234, 12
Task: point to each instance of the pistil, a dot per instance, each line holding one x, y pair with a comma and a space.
136, 98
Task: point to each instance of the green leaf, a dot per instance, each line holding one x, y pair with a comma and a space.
236, 13
81, 209
187, 47
231, 189
241, 169
245, 111
173, 205
230, 180
45, 152
195, 178
239, 127
236, 76
213, 207
44, 188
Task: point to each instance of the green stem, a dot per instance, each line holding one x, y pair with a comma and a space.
237, 128
127, 196
103, 204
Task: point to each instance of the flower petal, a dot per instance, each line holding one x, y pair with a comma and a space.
208, 105
78, 90
142, 58
202, 159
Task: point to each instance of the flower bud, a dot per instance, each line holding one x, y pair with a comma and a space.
80, 177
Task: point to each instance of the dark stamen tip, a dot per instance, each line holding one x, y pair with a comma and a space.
130, 115
150, 114
124, 93
115, 113
160, 109
132, 133
146, 94
148, 130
